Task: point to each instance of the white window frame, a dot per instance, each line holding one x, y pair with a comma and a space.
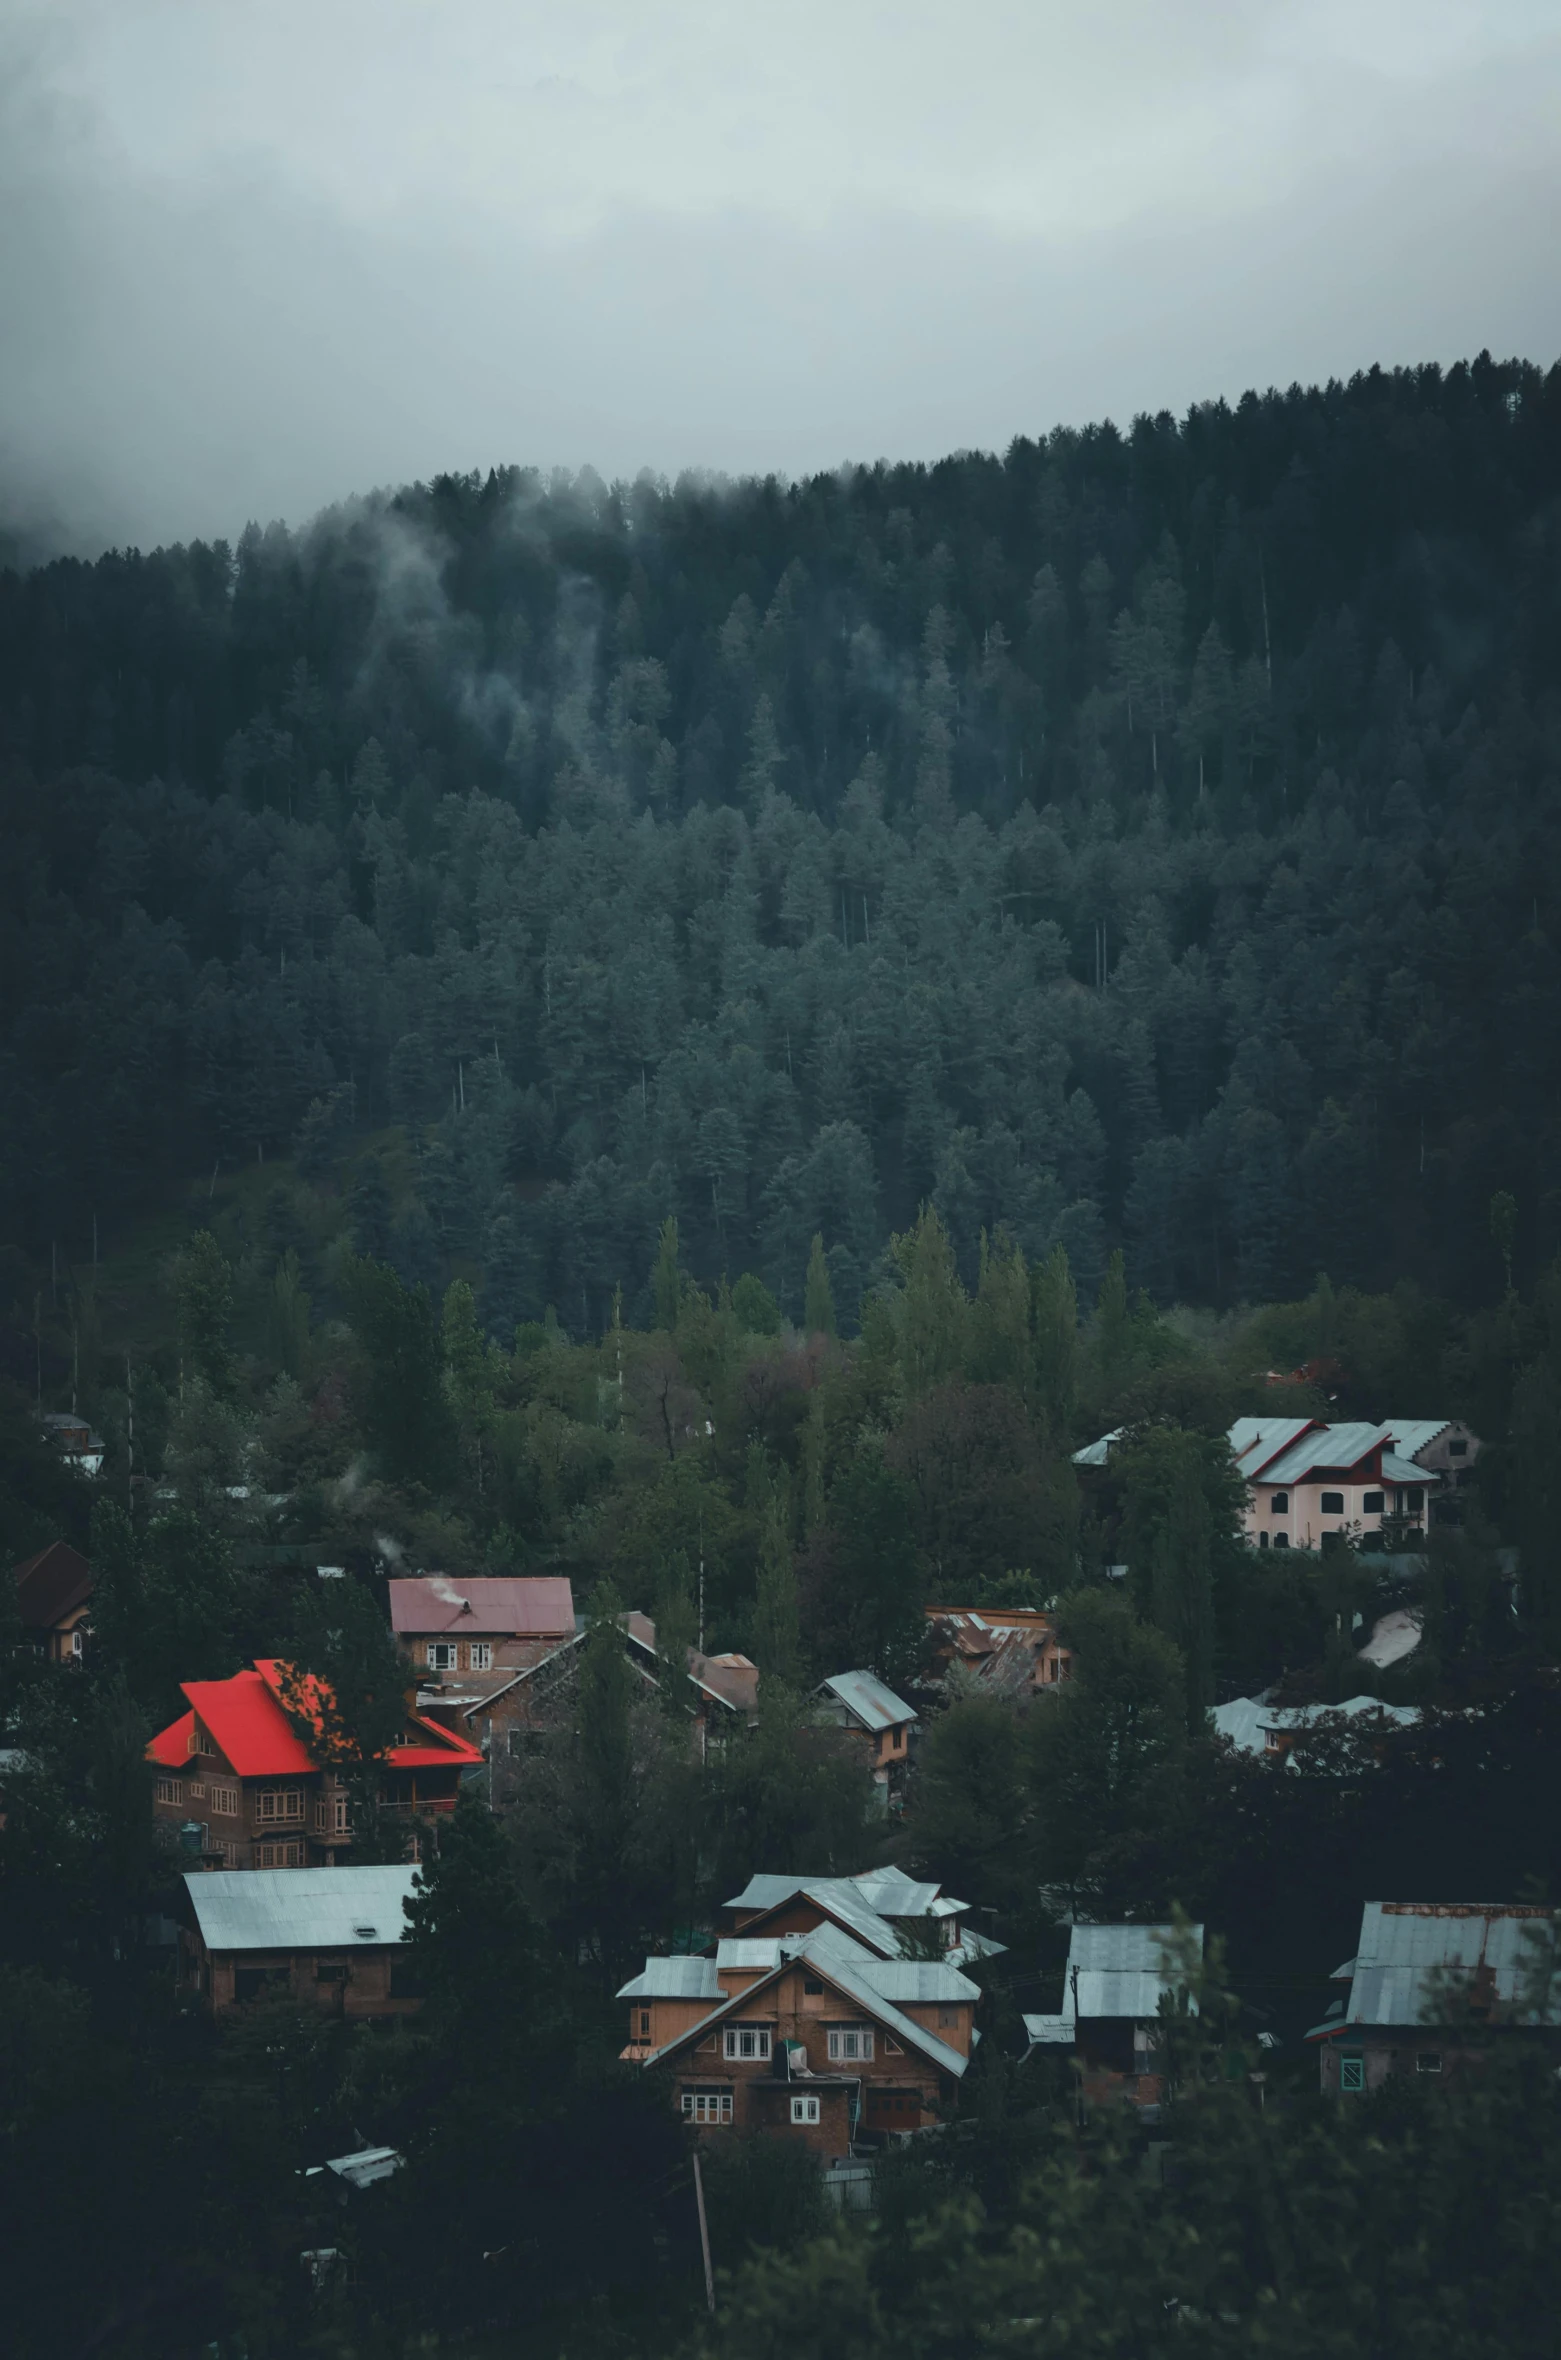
707, 2106
170, 1790
748, 2044
224, 1802
804, 2109
443, 1655
279, 1806
850, 2044
481, 1654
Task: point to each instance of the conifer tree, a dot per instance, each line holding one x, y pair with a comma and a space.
818, 1307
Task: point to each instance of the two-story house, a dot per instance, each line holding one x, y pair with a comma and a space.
330, 1938
878, 1723
812, 2036
721, 1693
467, 1638
54, 1602
1308, 1480
235, 1769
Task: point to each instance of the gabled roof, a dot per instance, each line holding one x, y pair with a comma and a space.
301, 1908
1120, 1970
1327, 1447
246, 1718
1246, 1722
867, 1699
51, 1585
485, 1606
835, 1969
675, 1978
1095, 1454
1408, 1948
1410, 1435
1255, 1441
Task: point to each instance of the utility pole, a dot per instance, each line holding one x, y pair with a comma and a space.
704, 2234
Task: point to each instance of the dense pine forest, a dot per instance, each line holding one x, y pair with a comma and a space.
1143, 839
703, 1038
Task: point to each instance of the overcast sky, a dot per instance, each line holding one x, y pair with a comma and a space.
258, 254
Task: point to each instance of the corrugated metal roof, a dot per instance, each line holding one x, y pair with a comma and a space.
864, 1694
1408, 1948
1095, 1454
301, 1908
1341, 1446
1247, 1723
742, 1951
1397, 1469
1121, 1970
675, 1978
501, 1606
895, 1895
917, 1979
1255, 1441
1412, 1434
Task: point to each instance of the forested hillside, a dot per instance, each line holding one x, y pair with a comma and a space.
1144, 839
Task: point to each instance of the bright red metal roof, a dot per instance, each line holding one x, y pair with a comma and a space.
486, 1606
245, 1717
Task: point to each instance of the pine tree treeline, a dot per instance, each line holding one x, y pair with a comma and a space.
1142, 838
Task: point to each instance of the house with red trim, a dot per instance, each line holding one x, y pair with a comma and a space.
235, 1767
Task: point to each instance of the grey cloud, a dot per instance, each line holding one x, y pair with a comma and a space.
185, 350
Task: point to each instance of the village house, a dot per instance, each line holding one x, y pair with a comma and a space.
1308, 1480
878, 1723
1010, 1650
722, 1694
1110, 2020
330, 1938
1429, 1986
1276, 1730
814, 2036
75, 1441
883, 1908
238, 1786
54, 1602
467, 1639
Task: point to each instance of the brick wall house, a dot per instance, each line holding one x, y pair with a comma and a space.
235, 1769
1432, 1983
466, 1639
812, 2037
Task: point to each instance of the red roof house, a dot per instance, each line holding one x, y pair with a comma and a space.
235, 1767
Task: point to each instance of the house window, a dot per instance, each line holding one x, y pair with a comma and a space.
892, 2048
1279, 1503
280, 1802
224, 1801
1262, 1540
812, 1987
331, 1970
1372, 1503
747, 2040
804, 2109
481, 1652
230, 1854
77, 1639
1352, 2073
1281, 1540
644, 2023
1333, 1503
850, 2044
707, 2105
441, 1655
1457, 1450
279, 1855
1429, 2061
197, 1790
169, 1790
